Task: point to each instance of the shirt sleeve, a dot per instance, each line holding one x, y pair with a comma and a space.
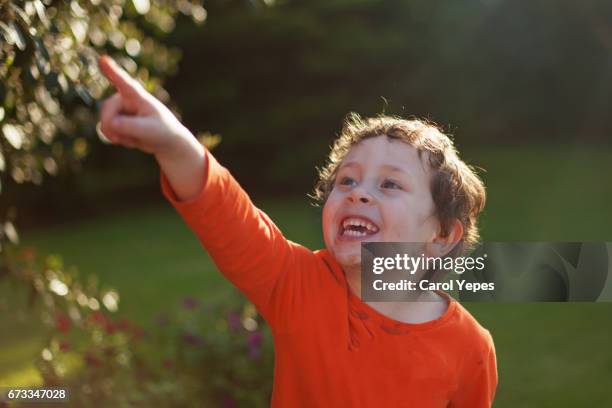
244, 243
480, 382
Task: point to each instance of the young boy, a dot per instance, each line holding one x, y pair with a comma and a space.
386, 180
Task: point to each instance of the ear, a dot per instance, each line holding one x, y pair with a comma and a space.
442, 245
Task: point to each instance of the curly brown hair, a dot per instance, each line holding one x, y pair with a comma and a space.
457, 191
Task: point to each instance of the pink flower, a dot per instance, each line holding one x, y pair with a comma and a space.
91, 359
168, 363
98, 317
123, 325
110, 327
64, 345
62, 322
137, 332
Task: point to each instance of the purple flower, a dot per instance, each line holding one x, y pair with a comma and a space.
162, 319
190, 303
192, 338
254, 342
255, 339
254, 353
233, 321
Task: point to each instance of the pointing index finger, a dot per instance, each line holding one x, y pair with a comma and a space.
124, 83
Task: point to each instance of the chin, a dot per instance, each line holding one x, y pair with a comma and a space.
347, 254
348, 258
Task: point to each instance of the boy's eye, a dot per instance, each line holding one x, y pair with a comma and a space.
391, 184
346, 181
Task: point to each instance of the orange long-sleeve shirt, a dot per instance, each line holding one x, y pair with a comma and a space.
332, 349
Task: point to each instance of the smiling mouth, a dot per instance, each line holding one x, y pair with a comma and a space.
352, 228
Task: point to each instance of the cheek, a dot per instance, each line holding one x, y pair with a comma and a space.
325, 224
407, 223
400, 230
328, 215
396, 216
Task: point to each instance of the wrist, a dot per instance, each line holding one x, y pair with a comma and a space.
184, 147
184, 165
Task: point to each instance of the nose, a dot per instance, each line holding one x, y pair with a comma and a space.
359, 194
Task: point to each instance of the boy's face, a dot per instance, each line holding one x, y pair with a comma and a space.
384, 186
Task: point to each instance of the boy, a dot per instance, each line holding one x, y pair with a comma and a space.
387, 180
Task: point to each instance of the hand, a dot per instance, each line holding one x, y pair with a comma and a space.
134, 118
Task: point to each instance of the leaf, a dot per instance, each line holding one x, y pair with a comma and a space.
13, 134
77, 10
20, 40
7, 33
83, 94
42, 49
79, 30
52, 83
43, 65
142, 6
45, 100
29, 76
42, 15
21, 13
9, 63
11, 232
63, 82
29, 8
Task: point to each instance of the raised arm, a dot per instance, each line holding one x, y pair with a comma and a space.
134, 118
244, 243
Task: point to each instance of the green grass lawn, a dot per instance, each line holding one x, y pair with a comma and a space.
148, 255
549, 355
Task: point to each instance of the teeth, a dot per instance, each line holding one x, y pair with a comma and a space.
355, 233
359, 223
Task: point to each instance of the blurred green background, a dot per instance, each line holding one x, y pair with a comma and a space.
525, 88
